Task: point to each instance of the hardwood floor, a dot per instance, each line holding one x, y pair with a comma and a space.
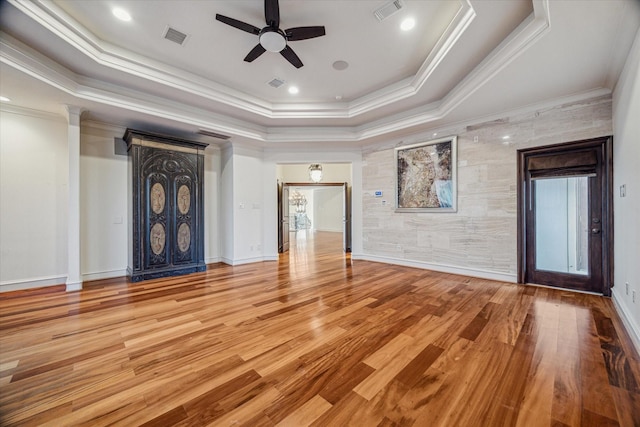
315, 339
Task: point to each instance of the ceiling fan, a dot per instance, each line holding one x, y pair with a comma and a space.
272, 38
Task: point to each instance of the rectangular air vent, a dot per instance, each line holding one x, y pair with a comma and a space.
175, 36
213, 134
388, 9
276, 82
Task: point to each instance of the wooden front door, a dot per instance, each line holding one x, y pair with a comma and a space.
565, 216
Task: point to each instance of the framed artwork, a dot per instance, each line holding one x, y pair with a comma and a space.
426, 176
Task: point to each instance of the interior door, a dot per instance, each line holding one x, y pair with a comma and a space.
567, 228
283, 218
346, 218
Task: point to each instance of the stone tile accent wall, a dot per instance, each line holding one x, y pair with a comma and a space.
480, 238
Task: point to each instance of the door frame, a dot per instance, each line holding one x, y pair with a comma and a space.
346, 231
283, 218
604, 144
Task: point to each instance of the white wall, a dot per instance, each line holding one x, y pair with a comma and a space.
328, 206
33, 199
103, 204
243, 205
212, 200
481, 238
626, 156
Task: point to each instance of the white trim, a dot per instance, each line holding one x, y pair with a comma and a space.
628, 321
102, 126
17, 55
242, 261
37, 282
213, 260
99, 275
74, 286
463, 271
22, 111
453, 128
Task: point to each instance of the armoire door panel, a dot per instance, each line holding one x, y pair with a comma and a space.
157, 227
185, 226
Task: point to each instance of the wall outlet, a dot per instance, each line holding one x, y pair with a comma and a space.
633, 296
623, 190
626, 287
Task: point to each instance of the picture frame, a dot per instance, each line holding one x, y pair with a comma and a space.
426, 176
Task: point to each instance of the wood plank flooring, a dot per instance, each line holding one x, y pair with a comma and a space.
314, 339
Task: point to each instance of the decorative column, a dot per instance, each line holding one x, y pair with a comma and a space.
74, 279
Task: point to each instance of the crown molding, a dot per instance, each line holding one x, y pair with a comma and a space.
14, 109
52, 17
31, 62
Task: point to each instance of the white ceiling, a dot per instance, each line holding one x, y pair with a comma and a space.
464, 59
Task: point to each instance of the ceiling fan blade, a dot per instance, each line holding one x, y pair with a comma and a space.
291, 56
272, 13
238, 24
303, 33
255, 52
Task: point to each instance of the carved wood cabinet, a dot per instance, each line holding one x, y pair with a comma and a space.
166, 212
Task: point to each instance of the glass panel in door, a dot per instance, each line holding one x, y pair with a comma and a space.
562, 224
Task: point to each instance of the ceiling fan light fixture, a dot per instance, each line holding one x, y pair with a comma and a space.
273, 41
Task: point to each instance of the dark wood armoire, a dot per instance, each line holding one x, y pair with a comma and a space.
166, 211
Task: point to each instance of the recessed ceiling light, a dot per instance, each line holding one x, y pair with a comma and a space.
4, 99
338, 97
435, 134
293, 90
408, 24
340, 65
506, 137
121, 14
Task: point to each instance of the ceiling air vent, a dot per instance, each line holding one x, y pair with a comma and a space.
213, 134
387, 10
175, 36
276, 82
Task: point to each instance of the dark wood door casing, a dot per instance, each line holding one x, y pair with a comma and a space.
593, 158
283, 217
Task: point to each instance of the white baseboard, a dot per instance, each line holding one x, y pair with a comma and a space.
213, 260
74, 286
463, 271
251, 260
630, 324
38, 282
99, 275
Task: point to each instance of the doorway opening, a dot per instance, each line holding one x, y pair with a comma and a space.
313, 216
314, 205
565, 221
